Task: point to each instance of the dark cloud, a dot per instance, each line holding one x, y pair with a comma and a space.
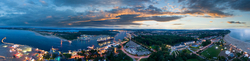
123, 20
45, 13
100, 2
151, 7
241, 5
39, 15
156, 18
236, 22
34, 15
217, 6
213, 7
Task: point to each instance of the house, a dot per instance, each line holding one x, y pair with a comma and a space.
179, 45
189, 42
181, 48
246, 55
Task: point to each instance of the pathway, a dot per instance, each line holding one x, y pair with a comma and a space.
196, 53
200, 50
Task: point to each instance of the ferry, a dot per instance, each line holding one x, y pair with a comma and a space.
103, 39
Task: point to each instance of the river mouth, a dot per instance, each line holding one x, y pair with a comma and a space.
36, 40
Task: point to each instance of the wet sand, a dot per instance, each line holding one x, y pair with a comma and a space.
245, 46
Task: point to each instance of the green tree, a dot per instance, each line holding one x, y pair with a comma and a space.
221, 58
236, 59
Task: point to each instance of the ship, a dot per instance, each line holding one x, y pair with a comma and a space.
103, 39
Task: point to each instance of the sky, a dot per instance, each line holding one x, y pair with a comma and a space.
127, 14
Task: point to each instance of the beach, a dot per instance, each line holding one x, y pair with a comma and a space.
245, 46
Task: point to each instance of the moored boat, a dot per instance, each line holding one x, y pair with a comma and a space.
103, 39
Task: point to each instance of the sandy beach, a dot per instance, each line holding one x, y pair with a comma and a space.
245, 46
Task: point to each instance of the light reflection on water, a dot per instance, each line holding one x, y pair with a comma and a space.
241, 34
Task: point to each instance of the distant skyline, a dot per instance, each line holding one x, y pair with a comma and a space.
126, 14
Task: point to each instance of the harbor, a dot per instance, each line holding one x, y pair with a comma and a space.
45, 42
26, 52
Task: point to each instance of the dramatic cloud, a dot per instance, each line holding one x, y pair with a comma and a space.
122, 20
100, 2
113, 13
216, 6
37, 15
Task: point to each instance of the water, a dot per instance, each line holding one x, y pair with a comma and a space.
33, 39
241, 34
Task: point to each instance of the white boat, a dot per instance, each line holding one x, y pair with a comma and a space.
102, 39
84, 37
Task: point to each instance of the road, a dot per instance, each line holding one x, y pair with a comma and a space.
205, 47
196, 53
200, 50
132, 56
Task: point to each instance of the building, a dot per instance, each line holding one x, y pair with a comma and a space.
189, 42
180, 46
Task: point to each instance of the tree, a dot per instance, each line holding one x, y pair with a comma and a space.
157, 48
221, 58
238, 54
119, 47
150, 40
244, 58
207, 42
236, 59
67, 55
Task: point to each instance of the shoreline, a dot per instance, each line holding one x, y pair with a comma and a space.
53, 36
244, 46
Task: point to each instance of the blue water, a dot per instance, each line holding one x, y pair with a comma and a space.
36, 40
241, 34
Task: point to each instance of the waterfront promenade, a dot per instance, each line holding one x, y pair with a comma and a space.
245, 46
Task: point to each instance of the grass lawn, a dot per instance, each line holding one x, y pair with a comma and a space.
212, 51
144, 59
120, 51
194, 49
189, 52
153, 47
192, 60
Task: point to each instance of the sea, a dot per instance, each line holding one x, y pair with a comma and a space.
241, 34
36, 40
